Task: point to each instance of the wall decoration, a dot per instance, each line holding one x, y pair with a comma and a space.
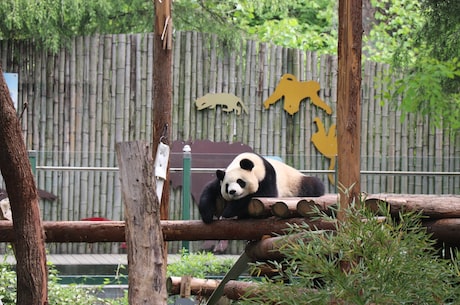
294, 92
326, 144
229, 102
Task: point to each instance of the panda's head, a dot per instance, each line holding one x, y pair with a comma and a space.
240, 179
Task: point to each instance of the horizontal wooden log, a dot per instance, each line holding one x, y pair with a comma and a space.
433, 206
444, 230
233, 290
261, 207
285, 209
173, 230
290, 206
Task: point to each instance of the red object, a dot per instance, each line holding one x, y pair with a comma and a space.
95, 219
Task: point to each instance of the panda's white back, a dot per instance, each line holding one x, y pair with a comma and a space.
288, 179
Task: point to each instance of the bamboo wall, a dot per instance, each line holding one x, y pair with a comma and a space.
84, 99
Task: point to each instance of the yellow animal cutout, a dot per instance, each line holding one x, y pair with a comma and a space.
294, 92
229, 102
326, 144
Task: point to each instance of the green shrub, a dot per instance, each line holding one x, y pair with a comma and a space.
200, 265
194, 264
377, 261
57, 294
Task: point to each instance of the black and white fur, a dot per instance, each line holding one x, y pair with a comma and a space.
250, 175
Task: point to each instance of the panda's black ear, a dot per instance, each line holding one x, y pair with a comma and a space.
220, 174
246, 164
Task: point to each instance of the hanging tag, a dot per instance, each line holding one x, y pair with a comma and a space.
161, 167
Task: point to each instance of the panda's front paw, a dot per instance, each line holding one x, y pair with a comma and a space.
207, 217
230, 218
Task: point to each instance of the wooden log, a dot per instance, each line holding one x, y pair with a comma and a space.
288, 206
433, 206
261, 207
173, 230
285, 209
444, 230
267, 248
233, 290
247, 229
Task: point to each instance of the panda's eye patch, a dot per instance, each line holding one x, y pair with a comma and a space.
242, 183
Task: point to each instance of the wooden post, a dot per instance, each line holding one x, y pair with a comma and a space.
32, 276
162, 85
349, 102
146, 270
162, 90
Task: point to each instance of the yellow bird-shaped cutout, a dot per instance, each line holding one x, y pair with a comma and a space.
326, 144
294, 92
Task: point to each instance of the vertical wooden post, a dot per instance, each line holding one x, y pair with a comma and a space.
349, 101
31, 271
162, 85
144, 237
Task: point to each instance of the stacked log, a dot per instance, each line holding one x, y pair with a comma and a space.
432, 206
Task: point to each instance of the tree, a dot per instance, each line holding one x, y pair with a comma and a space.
20, 185
420, 40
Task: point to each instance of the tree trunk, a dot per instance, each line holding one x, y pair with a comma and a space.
146, 267
349, 102
31, 271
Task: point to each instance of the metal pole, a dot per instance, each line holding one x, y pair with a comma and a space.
33, 161
187, 165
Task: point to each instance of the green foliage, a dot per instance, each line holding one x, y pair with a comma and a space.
295, 23
441, 28
53, 23
390, 261
395, 30
423, 90
199, 265
57, 294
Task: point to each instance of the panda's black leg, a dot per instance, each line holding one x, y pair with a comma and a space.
208, 201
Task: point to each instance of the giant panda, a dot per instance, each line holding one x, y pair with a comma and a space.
251, 175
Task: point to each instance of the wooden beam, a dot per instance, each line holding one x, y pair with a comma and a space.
233, 290
287, 207
349, 102
446, 230
173, 230
433, 206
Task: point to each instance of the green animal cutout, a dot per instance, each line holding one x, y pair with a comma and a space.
229, 102
294, 92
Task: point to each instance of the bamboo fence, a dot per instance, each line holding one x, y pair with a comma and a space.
98, 91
